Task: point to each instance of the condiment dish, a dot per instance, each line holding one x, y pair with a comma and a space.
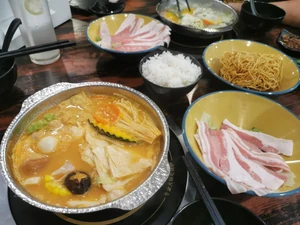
284, 42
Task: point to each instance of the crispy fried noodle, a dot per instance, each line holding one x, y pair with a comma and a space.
252, 70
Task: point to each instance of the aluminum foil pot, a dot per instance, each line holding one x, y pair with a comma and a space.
50, 96
205, 33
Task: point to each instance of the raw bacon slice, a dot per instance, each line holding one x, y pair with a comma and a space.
211, 159
148, 27
267, 159
138, 25
105, 36
242, 165
129, 22
263, 141
269, 179
133, 36
128, 48
218, 155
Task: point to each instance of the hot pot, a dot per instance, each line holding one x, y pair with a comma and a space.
50, 96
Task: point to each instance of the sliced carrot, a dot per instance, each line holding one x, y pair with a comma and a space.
207, 22
107, 113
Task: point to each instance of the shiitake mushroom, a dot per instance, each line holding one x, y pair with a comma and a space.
78, 182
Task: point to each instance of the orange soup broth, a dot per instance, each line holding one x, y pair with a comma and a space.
71, 152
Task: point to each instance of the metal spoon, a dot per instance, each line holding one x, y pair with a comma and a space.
253, 9
9, 35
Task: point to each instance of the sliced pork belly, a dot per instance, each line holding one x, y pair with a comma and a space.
129, 22
105, 36
263, 141
148, 27
225, 153
218, 155
268, 159
129, 48
269, 179
138, 25
133, 36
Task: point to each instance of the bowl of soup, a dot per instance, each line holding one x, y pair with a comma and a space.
203, 19
78, 148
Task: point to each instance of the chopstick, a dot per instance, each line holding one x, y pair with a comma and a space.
188, 5
178, 7
37, 49
212, 209
187, 159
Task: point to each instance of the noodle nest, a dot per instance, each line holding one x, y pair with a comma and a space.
252, 70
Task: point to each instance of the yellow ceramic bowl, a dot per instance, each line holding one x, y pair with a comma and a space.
113, 23
290, 71
246, 110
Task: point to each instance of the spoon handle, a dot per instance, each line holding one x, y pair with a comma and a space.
253, 9
10, 33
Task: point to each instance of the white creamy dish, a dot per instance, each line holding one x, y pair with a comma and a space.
198, 17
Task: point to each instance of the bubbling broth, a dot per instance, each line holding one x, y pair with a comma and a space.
87, 150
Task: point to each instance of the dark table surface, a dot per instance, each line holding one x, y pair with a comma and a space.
86, 63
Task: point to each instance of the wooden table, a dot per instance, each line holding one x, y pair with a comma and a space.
86, 63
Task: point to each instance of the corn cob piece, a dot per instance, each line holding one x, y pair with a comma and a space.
54, 187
